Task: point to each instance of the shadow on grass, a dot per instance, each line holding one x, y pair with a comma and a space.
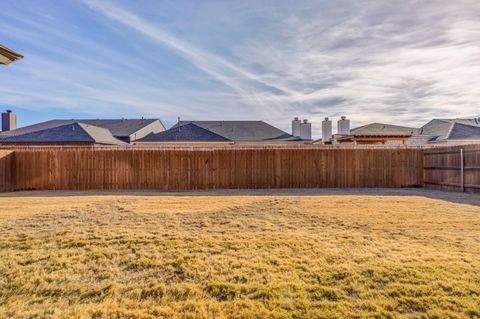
461, 198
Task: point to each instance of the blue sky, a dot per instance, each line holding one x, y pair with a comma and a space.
399, 62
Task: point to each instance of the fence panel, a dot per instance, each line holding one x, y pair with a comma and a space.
210, 168
443, 168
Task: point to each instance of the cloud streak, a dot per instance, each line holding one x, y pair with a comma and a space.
397, 62
224, 71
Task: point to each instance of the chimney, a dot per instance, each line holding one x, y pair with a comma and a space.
9, 121
343, 126
326, 130
306, 130
296, 127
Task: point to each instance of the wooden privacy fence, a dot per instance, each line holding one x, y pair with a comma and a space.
455, 168
211, 168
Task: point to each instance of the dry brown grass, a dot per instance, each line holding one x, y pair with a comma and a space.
398, 255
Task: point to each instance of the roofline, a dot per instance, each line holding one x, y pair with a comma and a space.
183, 142
86, 126
10, 54
382, 135
56, 142
179, 127
154, 120
259, 121
359, 127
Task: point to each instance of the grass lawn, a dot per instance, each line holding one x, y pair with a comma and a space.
293, 254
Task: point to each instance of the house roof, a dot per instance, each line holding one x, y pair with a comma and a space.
118, 128
451, 131
7, 55
461, 131
72, 133
243, 130
121, 127
434, 122
189, 132
376, 129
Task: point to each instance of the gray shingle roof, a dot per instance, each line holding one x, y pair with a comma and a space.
376, 129
452, 130
119, 128
464, 132
474, 122
437, 130
243, 130
36, 127
189, 132
68, 133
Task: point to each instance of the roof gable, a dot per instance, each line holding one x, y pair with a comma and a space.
36, 127
434, 122
242, 130
189, 132
120, 127
375, 129
73, 132
68, 133
438, 131
461, 131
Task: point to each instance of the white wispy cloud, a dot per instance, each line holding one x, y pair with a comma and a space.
228, 73
399, 62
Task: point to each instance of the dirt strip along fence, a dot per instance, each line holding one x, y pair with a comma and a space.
227, 168
453, 168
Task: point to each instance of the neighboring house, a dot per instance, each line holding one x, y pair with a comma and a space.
8, 56
222, 132
188, 133
64, 132
457, 131
378, 133
129, 130
73, 134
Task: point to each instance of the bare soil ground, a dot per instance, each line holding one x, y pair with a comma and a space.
240, 254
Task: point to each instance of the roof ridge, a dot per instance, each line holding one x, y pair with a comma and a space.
202, 128
447, 136
86, 127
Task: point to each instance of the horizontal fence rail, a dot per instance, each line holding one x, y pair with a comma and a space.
454, 168
210, 168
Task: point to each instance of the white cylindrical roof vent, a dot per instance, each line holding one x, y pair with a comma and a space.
306, 130
296, 127
343, 126
326, 130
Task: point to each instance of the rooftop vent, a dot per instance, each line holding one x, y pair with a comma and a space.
306, 130
343, 126
326, 130
296, 126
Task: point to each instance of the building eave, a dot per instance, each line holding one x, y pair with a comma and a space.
8, 56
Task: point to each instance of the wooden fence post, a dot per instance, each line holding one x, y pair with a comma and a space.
462, 169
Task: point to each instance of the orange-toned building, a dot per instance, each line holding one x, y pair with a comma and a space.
378, 133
